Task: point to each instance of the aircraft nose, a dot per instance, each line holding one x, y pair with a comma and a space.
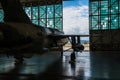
1, 36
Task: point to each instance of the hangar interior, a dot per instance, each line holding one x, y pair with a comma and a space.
100, 63
43, 12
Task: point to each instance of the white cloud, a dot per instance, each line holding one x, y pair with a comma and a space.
75, 20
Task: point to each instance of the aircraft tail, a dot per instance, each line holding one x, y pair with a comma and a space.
14, 12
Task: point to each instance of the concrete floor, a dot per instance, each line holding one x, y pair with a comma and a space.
51, 66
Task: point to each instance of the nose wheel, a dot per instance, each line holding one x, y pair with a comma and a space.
72, 57
18, 59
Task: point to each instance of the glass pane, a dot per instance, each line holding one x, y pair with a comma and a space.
1, 15
50, 23
42, 11
114, 22
94, 24
104, 7
50, 11
114, 8
43, 22
119, 7
94, 8
35, 22
35, 12
113, 1
104, 22
28, 11
58, 10
58, 23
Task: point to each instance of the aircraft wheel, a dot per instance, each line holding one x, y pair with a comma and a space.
72, 56
18, 61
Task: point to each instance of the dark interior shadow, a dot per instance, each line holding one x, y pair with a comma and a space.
14, 74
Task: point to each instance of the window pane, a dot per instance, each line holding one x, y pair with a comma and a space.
94, 23
58, 23
35, 12
104, 22
28, 11
94, 8
50, 23
114, 22
1, 15
42, 12
104, 7
58, 10
50, 11
35, 22
43, 22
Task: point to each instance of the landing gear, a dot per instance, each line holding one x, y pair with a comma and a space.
72, 57
18, 59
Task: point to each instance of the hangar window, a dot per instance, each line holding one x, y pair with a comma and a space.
1, 15
44, 15
104, 14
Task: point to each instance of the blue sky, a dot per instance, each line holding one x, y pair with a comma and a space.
75, 3
75, 17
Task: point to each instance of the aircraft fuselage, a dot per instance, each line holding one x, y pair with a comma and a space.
25, 38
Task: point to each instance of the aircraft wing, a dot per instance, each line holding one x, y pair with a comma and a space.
67, 35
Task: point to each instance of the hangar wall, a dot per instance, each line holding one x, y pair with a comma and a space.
104, 22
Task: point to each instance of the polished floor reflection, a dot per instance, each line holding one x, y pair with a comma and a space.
105, 65
51, 66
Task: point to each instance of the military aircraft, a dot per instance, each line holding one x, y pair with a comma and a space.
18, 35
